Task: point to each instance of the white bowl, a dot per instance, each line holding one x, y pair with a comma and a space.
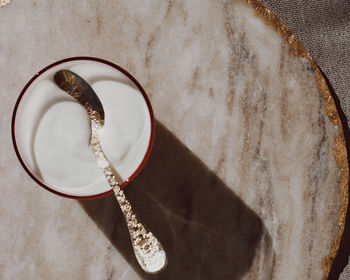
40, 95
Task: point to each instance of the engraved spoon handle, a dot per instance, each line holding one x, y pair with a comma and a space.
148, 250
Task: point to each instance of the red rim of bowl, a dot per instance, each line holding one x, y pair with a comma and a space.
86, 58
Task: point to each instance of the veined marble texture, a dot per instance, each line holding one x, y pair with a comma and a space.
242, 182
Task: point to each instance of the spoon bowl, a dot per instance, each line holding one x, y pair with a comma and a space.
75, 86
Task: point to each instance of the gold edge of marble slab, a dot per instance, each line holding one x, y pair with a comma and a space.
339, 149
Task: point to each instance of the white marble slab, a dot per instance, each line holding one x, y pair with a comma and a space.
242, 182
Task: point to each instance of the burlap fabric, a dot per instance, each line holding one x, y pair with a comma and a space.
323, 26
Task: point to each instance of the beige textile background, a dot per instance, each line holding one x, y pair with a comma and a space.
323, 27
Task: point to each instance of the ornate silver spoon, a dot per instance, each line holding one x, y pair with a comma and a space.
148, 250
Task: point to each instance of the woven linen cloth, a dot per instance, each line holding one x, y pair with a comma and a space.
323, 27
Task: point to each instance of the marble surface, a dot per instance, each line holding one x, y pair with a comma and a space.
242, 182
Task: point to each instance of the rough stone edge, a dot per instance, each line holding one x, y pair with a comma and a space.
339, 149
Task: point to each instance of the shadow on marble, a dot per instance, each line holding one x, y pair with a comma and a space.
207, 231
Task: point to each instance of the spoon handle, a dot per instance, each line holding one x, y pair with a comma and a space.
148, 250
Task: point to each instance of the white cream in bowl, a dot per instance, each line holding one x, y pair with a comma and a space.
52, 130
